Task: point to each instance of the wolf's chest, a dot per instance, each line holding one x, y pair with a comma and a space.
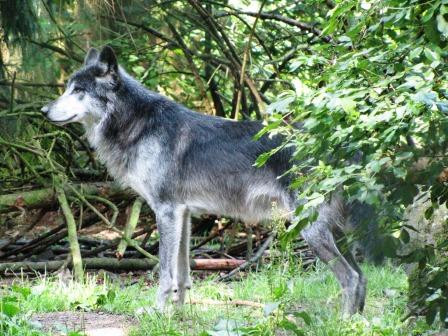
140, 168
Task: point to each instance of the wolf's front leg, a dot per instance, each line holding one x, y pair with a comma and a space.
169, 223
183, 261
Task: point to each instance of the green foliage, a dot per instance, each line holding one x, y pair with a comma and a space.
12, 320
374, 108
374, 117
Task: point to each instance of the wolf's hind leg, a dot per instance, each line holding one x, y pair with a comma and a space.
361, 289
183, 282
322, 241
169, 223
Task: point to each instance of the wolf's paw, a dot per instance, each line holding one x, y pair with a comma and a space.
178, 297
147, 310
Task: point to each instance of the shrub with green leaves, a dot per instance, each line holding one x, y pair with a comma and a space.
12, 320
373, 106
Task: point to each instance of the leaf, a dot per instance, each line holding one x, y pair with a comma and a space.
138, 70
226, 325
442, 107
270, 307
24, 291
269, 127
427, 98
430, 13
443, 311
314, 200
133, 58
404, 236
442, 24
439, 279
300, 87
261, 160
431, 314
280, 290
335, 13
304, 316
431, 31
75, 333
374, 166
415, 53
288, 325
390, 246
281, 105
403, 156
10, 309
429, 212
431, 55
348, 104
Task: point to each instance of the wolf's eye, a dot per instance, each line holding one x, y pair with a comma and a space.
78, 89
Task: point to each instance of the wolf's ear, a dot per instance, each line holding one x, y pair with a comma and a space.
108, 59
91, 57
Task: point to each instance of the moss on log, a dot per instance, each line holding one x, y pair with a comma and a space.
45, 197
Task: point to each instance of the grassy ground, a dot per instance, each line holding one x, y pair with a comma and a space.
295, 303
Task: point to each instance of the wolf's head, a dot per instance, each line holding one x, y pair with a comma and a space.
88, 90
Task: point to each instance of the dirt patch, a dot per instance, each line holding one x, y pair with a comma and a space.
91, 323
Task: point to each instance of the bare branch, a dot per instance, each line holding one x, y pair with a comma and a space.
277, 17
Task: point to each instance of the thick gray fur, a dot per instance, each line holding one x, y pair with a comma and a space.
183, 162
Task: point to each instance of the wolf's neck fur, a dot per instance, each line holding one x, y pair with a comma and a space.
118, 134
109, 153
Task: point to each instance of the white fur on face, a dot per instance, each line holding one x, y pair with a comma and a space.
69, 107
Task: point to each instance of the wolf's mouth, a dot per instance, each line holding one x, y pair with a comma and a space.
62, 121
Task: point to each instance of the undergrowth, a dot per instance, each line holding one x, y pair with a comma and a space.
294, 303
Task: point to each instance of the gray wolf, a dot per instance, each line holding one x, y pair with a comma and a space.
183, 162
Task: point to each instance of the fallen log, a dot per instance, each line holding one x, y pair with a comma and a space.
215, 264
46, 197
113, 264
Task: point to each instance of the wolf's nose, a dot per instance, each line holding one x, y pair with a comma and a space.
44, 109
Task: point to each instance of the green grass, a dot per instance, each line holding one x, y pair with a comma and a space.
314, 292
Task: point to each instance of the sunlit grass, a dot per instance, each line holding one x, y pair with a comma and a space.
316, 292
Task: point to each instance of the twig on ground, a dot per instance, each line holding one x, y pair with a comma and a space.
251, 261
226, 303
